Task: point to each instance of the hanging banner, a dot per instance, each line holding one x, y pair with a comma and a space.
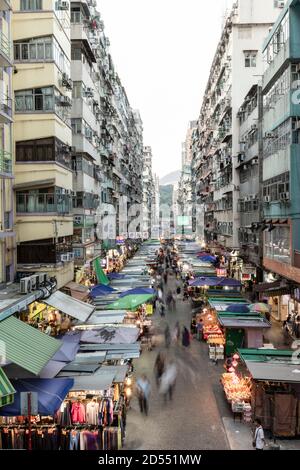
101, 276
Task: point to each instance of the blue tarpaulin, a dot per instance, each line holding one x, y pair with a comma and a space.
112, 276
208, 259
101, 290
138, 291
238, 308
205, 281
51, 393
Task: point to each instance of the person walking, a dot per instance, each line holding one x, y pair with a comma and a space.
186, 338
259, 436
143, 392
176, 333
167, 337
168, 381
166, 277
159, 367
199, 328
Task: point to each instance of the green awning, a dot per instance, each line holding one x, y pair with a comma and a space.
26, 346
7, 391
266, 355
130, 302
101, 276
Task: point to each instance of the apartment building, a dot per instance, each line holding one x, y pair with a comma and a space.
88, 47
43, 137
249, 169
281, 146
7, 227
236, 67
148, 193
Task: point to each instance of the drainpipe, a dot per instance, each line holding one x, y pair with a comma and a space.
260, 176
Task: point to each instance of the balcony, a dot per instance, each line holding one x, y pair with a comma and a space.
5, 109
5, 163
5, 51
43, 203
44, 252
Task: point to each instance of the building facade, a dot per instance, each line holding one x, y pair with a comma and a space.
236, 67
149, 189
43, 137
281, 146
7, 230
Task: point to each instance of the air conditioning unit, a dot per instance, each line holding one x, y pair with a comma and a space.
71, 256
34, 281
67, 82
88, 92
62, 5
65, 257
25, 285
284, 197
43, 278
63, 191
254, 161
267, 199
65, 101
270, 135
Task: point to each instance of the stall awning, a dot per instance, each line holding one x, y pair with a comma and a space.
70, 306
111, 335
51, 393
7, 390
273, 289
275, 372
243, 322
98, 318
78, 291
26, 346
96, 382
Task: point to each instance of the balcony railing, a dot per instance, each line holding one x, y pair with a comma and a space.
5, 46
43, 203
5, 162
5, 105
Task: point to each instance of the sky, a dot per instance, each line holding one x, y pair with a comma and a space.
162, 51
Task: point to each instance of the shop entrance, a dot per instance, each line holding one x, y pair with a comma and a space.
235, 339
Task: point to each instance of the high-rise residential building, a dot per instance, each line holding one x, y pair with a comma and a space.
7, 227
148, 193
281, 147
43, 137
237, 66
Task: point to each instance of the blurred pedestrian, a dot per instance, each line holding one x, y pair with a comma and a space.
199, 328
159, 367
176, 333
143, 392
167, 336
186, 337
166, 277
168, 381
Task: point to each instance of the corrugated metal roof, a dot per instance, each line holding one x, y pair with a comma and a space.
288, 373
26, 346
6, 389
72, 307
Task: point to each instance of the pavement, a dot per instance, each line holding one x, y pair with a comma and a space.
198, 417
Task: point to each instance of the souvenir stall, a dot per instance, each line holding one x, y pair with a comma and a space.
275, 397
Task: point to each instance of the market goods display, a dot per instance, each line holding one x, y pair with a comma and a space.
237, 389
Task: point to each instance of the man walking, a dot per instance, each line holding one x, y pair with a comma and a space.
259, 436
143, 391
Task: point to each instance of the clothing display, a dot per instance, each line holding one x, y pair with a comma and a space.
78, 413
63, 416
92, 412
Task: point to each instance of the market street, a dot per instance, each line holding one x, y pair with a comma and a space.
193, 420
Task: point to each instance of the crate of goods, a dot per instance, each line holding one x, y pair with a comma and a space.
212, 352
220, 352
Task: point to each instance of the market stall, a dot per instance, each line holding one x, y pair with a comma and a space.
237, 389
275, 398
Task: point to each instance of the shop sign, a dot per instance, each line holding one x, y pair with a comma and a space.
149, 309
120, 241
221, 272
246, 277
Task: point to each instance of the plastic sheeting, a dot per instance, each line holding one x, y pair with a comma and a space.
111, 335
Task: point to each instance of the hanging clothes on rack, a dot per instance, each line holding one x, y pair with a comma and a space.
78, 412
92, 412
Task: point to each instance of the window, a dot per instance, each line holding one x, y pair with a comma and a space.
42, 150
39, 49
250, 58
77, 90
31, 5
38, 99
277, 244
76, 124
277, 186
